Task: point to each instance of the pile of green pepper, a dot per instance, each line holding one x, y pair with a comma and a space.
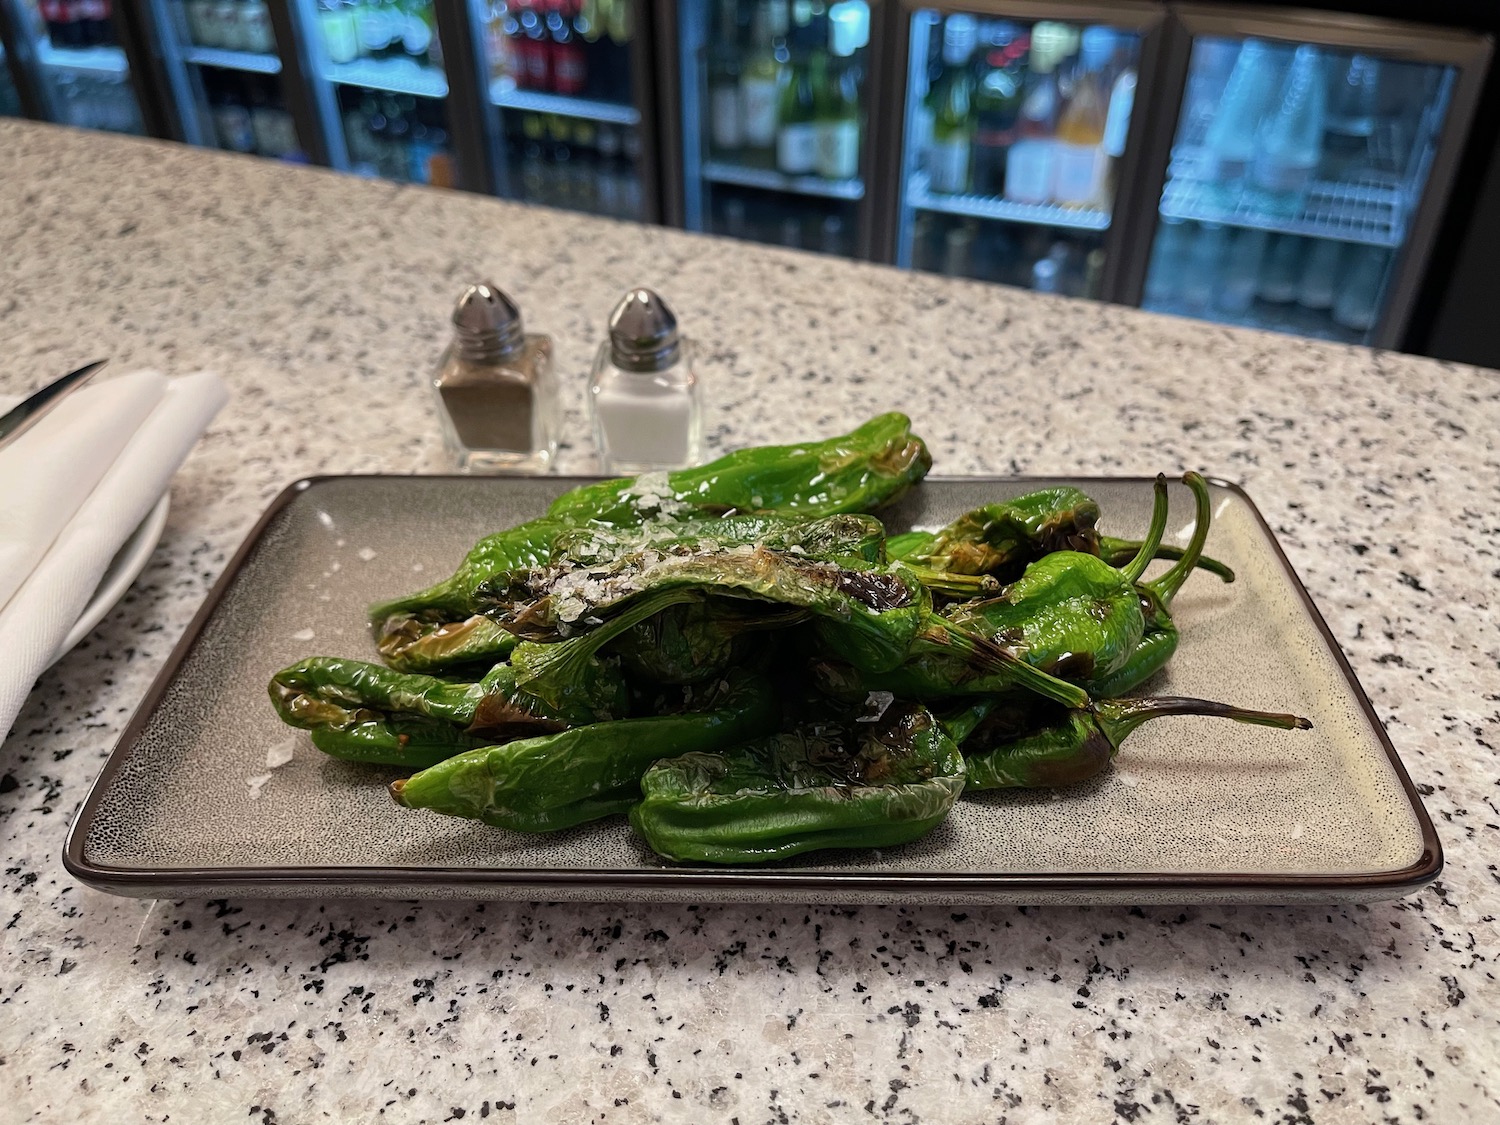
742, 660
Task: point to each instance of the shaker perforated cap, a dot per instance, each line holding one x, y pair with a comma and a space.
643, 333
487, 323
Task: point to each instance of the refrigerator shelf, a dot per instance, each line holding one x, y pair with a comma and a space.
505, 94
396, 76
1370, 210
922, 198
246, 61
86, 60
768, 179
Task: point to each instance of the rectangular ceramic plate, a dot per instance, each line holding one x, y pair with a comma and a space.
1193, 809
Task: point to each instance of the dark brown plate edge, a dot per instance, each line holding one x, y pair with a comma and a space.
136, 881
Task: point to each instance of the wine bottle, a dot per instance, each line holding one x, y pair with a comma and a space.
952, 137
838, 124
797, 129
760, 84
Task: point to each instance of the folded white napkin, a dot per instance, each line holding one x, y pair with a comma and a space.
72, 490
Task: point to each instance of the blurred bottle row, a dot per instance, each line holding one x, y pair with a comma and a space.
396, 136
77, 23
1275, 117
1039, 258
577, 48
230, 25
249, 116
1205, 269
760, 217
380, 30
1030, 114
783, 85
580, 165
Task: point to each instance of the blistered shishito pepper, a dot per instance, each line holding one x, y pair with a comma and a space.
1001, 539
875, 618
833, 784
1011, 744
440, 627
858, 472
556, 781
1160, 635
369, 713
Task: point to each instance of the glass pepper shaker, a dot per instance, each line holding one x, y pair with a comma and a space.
496, 392
644, 396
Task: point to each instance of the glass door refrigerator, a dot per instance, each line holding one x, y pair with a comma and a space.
224, 68
769, 119
567, 87
69, 53
1304, 170
10, 94
1020, 139
376, 74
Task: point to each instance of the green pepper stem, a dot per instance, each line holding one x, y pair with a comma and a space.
956, 585
1117, 718
1166, 586
989, 658
1136, 567
1117, 552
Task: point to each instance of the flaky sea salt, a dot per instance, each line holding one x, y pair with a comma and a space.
366, 553
281, 753
256, 784
875, 706
303, 635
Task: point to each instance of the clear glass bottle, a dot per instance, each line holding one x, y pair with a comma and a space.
496, 392
644, 397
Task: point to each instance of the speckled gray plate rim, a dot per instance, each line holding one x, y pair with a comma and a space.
1193, 810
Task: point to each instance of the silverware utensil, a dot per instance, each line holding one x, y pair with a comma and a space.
21, 417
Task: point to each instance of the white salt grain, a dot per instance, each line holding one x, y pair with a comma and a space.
256, 784
366, 553
875, 706
1128, 779
325, 519
418, 567
281, 753
339, 542
303, 635
1297, 831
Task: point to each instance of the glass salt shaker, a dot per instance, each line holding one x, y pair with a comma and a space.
496, 392
644, 397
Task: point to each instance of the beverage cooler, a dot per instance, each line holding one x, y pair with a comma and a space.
10, 96
1020, 143
378, 81
224, 66
569, 103
773, 117
1308, 166
68, 64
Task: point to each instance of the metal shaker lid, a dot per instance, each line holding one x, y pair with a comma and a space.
487, 323
643, 333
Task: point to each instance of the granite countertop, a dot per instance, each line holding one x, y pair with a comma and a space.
322, 301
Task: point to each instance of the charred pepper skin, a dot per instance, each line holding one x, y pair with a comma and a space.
366, 712
1001, 539
1009, 746
860, 471
556, 781
820, 785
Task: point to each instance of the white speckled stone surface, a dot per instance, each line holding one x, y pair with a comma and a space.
322, 301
